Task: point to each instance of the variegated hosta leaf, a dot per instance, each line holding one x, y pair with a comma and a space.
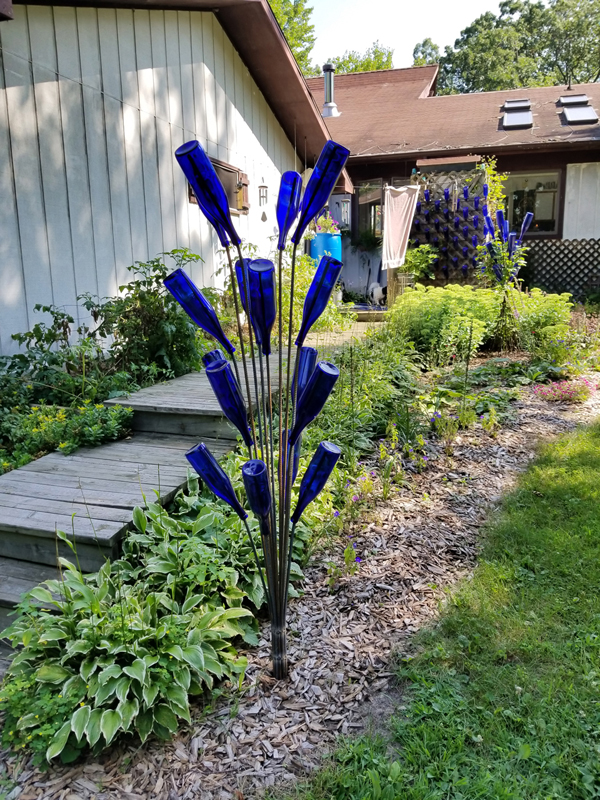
110, 724
79, 721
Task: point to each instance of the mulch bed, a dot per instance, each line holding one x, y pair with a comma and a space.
342, 642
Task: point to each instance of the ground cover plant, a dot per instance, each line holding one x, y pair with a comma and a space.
501, 697
120, 652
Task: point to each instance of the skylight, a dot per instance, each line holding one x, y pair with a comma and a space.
515, 105
580, 115
574, 100
517, 116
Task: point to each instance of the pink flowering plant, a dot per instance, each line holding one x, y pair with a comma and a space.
577, 391
327, 224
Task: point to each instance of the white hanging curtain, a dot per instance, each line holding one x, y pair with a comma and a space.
399, 212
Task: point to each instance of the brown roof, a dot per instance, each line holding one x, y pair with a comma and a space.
392, 112
254, 32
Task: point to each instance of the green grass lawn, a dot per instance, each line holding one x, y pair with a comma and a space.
503, 699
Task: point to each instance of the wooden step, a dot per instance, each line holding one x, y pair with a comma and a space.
90, 495
187, 405
16, 578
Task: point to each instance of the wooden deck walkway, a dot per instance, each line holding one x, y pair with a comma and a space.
90, 494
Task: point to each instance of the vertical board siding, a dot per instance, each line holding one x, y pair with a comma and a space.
93, 103
582, 198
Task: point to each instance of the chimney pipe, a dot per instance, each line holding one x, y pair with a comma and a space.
330, 109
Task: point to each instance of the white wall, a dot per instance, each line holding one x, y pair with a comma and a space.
582, 202
93, 103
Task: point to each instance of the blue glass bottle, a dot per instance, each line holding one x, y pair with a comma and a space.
229, 396
288, 204
306, 366
466, 192
209, 191
256, 483
476, 203
527, 220
314, 397
320, 468
213, 475
426, 195
474, 240
263, 306
465, 231
196, 306
466, 212
437, 205
446, 194
318, 294
320, 185
212, 356
476, 221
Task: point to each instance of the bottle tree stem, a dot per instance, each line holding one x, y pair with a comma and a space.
242, 351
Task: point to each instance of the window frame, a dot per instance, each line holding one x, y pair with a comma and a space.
559, 202
243, 204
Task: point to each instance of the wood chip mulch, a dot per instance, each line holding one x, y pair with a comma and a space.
341, 642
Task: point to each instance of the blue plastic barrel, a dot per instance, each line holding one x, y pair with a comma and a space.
326, 244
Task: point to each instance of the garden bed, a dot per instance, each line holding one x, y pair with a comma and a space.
342, 638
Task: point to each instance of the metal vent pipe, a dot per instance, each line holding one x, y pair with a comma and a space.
330, 108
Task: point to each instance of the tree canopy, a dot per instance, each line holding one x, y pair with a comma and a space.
294, 18
375, 57
426, 52
526, 44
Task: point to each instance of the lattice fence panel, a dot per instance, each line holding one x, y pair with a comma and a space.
451, 219
565, 265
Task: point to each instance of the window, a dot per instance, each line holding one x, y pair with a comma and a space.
370, 205
235, 184
537, 192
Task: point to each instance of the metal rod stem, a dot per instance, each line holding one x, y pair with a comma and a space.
285, 473
242, 350
280, 353
260, 569
271, 447
251, 339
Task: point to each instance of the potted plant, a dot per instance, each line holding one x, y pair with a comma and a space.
328, 239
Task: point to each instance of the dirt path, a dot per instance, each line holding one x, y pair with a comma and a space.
417, 545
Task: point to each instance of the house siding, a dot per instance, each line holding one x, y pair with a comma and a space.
93, 103
582, 202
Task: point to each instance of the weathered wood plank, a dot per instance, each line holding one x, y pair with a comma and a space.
39, 522
104, 468
18, 577
53, 506
82, 484
74, 495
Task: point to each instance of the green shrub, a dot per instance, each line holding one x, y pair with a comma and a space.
137, 338
438, 320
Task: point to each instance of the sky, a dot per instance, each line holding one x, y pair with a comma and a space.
342, 25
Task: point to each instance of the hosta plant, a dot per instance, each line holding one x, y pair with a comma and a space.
123, 657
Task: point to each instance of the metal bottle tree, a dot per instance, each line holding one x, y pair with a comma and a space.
270, 472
